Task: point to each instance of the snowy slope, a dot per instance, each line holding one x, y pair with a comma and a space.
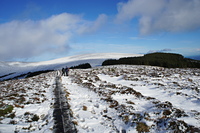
32, 102
122, 98
133, 99
18, 68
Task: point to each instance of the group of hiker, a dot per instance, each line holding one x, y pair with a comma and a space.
65, 71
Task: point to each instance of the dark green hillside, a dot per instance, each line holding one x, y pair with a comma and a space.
168, 60
82, 66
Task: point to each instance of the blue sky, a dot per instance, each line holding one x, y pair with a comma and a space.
37, 30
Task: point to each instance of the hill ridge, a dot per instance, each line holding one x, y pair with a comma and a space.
21, 68
168, 60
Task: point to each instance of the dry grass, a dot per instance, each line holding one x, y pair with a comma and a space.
84, 108
142, 127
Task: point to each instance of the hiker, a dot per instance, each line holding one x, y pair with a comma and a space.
63, 72
66, 71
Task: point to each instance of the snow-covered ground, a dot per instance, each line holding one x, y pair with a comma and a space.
32, 103
124, 98
134, 99
107, 99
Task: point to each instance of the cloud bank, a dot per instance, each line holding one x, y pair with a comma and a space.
161, 15
162, 50
27, 39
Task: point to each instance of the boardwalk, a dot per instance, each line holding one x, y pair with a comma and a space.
62, 113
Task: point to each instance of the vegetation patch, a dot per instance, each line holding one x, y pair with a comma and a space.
142, 127
35, 118
166, 112
180, 126
82, 66
167, 60
130, 102
84, 108
6, 110
12, 115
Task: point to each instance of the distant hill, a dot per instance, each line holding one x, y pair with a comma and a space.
195, 57
10, 70
168, 60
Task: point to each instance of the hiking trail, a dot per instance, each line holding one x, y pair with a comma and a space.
62, 113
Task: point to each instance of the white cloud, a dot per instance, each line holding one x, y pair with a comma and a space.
93, 26
108, 48
161, 15
27, 39
162, 50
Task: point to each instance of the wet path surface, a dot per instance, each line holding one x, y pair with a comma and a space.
62, 114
